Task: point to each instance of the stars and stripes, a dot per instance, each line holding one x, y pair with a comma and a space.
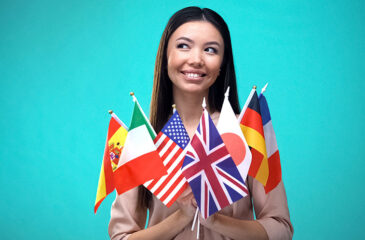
210, 170
170, 144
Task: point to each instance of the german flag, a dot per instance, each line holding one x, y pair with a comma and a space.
117, 134
252, 128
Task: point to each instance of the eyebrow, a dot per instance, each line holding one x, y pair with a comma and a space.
191, 41
213, 43
185, 38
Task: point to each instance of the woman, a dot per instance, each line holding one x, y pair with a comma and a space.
194, 61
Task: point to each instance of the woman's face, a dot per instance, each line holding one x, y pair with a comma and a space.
194, 56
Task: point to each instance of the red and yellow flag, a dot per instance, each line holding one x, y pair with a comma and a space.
117, 134
252, 128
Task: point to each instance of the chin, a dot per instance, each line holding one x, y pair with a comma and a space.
196, 90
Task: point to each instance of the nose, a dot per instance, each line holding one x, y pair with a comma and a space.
196, 58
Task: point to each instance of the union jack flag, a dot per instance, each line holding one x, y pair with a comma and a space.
170, 144
210, 170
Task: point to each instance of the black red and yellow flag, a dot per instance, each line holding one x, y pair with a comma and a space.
252, 128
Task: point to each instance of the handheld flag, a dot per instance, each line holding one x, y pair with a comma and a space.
210, 170
252, 128
139, 161
273, 156
117, 134
229, 128
170, 143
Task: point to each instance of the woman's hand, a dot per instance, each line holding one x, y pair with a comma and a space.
185, 202
207, 222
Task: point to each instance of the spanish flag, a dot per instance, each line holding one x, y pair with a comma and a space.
252, 128
117, 134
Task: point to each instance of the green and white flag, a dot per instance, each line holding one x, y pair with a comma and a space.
140, 161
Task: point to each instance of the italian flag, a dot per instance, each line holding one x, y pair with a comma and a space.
140, 161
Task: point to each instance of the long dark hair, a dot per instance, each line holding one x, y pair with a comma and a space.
162, 98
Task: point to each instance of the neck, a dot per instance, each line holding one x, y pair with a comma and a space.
189, 106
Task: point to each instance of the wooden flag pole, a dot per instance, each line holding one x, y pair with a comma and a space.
113, 115
227, 92
144, 115
198, 230
173, 108
253, 90
134, 97
196, 214
264, 88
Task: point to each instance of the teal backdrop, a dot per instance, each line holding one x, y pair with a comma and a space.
64, 64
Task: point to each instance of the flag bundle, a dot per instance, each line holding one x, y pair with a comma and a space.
215, 162
170, 143
210, 170
117, 133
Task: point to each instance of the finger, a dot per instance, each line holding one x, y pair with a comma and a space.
185, 193
193, 201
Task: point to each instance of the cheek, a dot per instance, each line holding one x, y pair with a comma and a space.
172, 66
172, 61
215, 66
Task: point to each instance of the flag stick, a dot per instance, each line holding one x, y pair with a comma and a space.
204, 104
198, 230
144, 115
173, 108
196, 214
246, 103
227, 92
117, 119
264, 88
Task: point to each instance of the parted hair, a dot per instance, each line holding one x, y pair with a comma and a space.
162, 98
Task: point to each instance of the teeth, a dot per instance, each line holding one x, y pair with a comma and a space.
193, 75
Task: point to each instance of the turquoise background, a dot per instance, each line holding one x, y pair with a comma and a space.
63, 64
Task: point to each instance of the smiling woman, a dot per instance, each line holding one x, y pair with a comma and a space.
194, 56
195, 61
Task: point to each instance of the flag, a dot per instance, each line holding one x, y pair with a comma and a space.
210, 170
170, 144
273, 156
139, 161
230, 131
116, 136
252, 128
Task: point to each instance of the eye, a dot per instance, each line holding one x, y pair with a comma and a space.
211, 50
182, 45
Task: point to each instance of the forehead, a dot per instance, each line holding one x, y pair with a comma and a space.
201, 30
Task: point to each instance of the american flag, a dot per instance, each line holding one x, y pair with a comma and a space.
170, 144
210, 170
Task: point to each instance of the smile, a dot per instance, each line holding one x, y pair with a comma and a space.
194, 75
